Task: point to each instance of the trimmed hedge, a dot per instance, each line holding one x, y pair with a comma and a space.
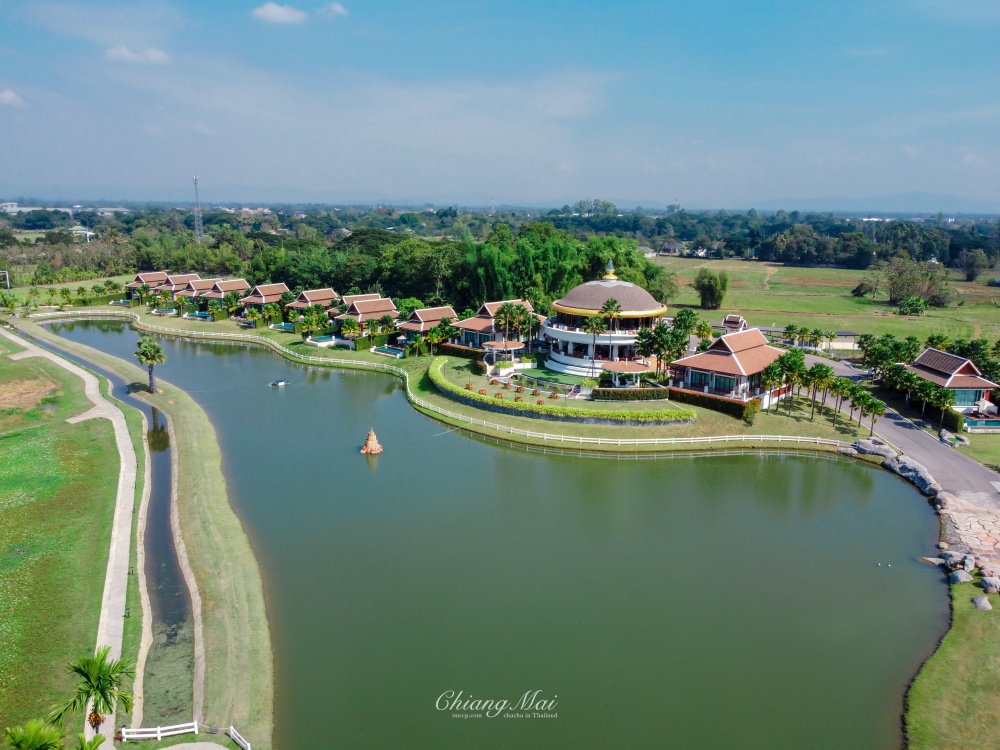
219, 315
460, 351
99, 300
365, 343
717, 403
574, 414
631, 394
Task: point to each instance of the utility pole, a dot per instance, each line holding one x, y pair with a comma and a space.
198, 233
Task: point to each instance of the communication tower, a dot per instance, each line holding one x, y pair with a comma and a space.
198, 233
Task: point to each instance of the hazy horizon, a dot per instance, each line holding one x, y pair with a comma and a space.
729, 104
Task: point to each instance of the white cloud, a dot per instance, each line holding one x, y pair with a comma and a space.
10, 99
125, 54
274, 13
334, 10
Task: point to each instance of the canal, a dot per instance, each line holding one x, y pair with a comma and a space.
757, 601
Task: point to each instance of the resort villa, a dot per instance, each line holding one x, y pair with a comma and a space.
151, 279
349, 299
311, 297
421, 321
367, 311
221, 288
176, 283
480, 328
730, 367
957, 374
264, 294
194, 289
574, 350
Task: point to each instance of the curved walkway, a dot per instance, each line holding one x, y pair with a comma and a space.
974, 514
112, 620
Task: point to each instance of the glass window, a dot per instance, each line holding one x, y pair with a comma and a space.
723, 383
966, 396
698, 378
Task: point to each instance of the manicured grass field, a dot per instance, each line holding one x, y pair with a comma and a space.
56, 505
773, 294
21, 292
954, 703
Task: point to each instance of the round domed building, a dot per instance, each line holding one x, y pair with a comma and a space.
573, 350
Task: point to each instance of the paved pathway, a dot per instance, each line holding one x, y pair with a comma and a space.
112, 620
974, 515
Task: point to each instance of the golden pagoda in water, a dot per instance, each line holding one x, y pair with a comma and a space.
372, 448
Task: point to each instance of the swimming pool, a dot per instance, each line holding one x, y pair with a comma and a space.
286, 327
390, 351
322, 338
198, 315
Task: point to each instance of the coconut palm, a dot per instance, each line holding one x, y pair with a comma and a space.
144, 291
271, 312
856, 397
530, 326
841, 389
34, 735
434, 337
66, 295
253, 316
830, 337
507, 316
704, 330
876, 409
416, 347
944, 399
771, 378
796, 377
100, 680
612, 310
925, 392
386, 323
792, 333
231, 302
150, 354
350, 328
820, 377
112, 287
595, 325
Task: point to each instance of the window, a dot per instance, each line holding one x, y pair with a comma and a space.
698, 378
723, 383
966, 396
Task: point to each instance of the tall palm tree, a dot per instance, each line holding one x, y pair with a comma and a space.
386, 323
944, 399
841, 389
830, 337
350, 328
415, 348
34, 735
612, 310
792, 333
796, 377
816, 336
876, 409
253, 316
856, 396
771, 377
144, 291
231, 302
150, 354
271, 312
507, 316
595, 326
434, 337
925, 392
704, 330
820, 377
100, 680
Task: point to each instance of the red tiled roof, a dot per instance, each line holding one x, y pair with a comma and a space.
744, 353
147, 277
349, 299
310, 297
200, 285
369, 310
479, 323
264, 294
490, 308
221, 288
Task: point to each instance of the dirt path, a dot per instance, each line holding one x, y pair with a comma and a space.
112, 620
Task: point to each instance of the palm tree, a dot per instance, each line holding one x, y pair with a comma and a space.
65, 294
507, 315
271, 312
704, 330
112, 287
416, 347
792, 333
100, 681
386, 323
150, 353
944, 399
595, 326
34, 735
876, 409
841, 388
925, 392
938, 341
253, 315
231, 302
771, 377
820, 377
531, 326
350, 328
143, 292
434, 337
857, 395
816, 336
830, 337
612, 310
796, 377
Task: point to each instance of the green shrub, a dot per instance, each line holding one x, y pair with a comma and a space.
219, 314
630, 394
523, 408
588, 383
102, 299
455, 350
526, 357
912, 305
717, 403
750, 409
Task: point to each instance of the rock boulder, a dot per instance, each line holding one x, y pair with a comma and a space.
982, 603
991, 581
914, 472
847, 451
959, 576
874, 448
969, 563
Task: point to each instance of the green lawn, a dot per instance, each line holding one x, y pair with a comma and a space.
550, 375
21, 292
954, 702
772, 294
57, 504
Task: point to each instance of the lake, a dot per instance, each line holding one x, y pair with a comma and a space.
690, 602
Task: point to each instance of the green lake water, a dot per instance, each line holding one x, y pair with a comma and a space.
683, 602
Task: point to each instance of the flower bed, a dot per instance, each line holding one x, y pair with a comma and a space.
542, 410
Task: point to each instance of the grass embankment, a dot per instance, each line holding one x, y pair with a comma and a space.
773, 294
238, 683
954, 702
57, 498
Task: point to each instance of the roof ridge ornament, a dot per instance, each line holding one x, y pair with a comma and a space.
609, 271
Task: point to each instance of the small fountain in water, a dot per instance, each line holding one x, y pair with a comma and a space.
372, 448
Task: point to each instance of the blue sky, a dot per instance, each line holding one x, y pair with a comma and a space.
723, 103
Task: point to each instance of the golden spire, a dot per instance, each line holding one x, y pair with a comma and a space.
609, 271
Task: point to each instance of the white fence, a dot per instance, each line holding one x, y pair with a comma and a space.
235, 737
158, 733
425, 406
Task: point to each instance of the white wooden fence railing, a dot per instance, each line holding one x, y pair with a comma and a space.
235, 737
546, 437
158, 733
